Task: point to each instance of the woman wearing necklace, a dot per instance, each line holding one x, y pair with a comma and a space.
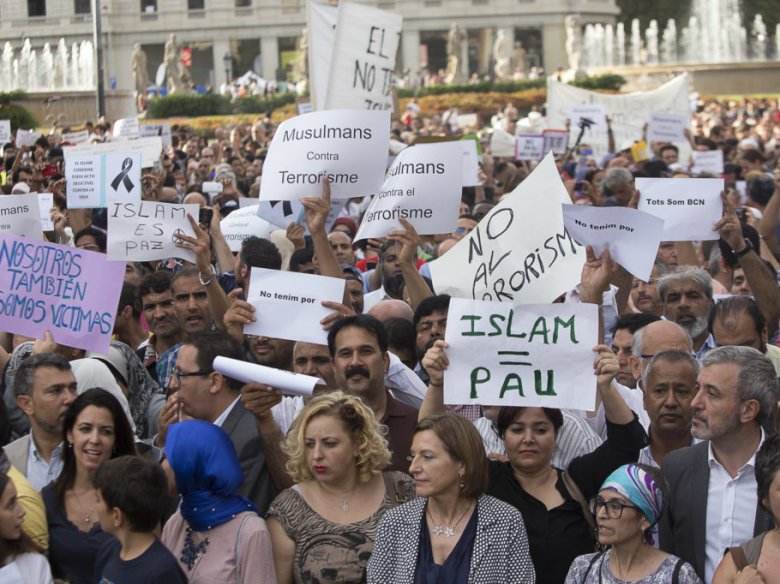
627, 510
216, 535
453, 533
323, 527
95, 429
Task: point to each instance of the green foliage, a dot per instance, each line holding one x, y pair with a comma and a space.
607, 82
189, 106
19, 116
258, 104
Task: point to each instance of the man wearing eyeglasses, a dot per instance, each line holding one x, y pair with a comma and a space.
713, 501
204, 394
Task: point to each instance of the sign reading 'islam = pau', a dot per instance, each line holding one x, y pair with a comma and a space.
348, 146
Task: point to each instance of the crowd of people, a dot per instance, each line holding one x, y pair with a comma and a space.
146, 465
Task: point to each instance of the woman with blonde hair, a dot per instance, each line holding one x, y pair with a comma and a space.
323, 527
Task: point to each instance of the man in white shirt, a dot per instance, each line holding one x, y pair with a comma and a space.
712, 500
45, 387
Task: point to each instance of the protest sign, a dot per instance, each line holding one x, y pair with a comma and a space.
144, 231
423, 186
520, 252
71, 292
322, 30
149, 148
285, 381
632, 237
5, 132
672, 97
363, 58
161, 129
76, 138
93, 179
45, 203
667, 127
126, 128
240, 224
690, 207
20, 215
593, 115
540, 355
741, 187
348, 146
529, 147
555, 141
466, 121
639, 151
26, 137
470, 163
710, 161
280, 213
289, 304
502, 143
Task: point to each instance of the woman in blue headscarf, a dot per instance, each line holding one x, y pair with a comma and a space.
216, 534
627, 511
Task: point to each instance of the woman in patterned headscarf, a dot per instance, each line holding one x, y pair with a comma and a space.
627, 511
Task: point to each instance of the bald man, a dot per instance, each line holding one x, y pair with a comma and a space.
385, 309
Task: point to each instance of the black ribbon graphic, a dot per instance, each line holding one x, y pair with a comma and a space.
122, 177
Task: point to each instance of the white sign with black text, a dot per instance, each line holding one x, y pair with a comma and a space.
20, 215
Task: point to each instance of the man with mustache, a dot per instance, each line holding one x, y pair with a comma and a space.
622, 338
358, 345
712, 500
157, 307
644, 295
687, 300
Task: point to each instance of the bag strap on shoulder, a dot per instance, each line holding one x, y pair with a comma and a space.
577, 495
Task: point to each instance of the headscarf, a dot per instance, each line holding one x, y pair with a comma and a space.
208, 474
640, 488
91, 373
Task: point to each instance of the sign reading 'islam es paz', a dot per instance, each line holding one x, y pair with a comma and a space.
536, 355
348, 146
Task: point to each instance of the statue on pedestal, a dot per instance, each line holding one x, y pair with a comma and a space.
519, 65
138, 64
501, 57
454, 53
172, 66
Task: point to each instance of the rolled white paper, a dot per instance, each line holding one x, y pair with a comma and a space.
286, 382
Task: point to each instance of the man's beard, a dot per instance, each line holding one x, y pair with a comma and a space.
394, 285
697, 327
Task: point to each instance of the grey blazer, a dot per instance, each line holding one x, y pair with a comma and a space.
258, 486
500, 548
18, 452
683, 525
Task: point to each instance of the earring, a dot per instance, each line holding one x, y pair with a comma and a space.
462, 484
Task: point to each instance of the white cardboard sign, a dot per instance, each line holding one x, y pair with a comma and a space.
161, 129
520, 252
502, 143
240, 224
529, 147
363, 59
667, 127
555, 141
144, 231
285, 381
594, 114
76, 138
45, 203
349, 146
690, 207
709, 161
20, 215
540, 355
126, 128
289, 304
5, 132
470, 163
94, 179
632, 237
322, 30
26, 137
423, 186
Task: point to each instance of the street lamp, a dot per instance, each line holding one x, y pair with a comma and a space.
228, 61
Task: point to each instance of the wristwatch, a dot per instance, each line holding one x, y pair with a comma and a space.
747, 249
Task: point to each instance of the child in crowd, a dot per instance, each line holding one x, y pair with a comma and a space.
131, 500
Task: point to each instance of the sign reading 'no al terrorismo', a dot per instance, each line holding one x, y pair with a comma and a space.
69, 291
348, 146
537, 355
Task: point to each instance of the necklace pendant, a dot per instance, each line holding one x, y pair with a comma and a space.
88, 518
345, 506
449, 532
438, 529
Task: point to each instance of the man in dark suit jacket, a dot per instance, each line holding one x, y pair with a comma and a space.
205, 394
712, 501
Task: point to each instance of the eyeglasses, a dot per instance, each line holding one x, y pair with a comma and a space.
614, 507
176, 376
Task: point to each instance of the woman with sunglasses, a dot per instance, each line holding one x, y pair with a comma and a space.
627, 510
